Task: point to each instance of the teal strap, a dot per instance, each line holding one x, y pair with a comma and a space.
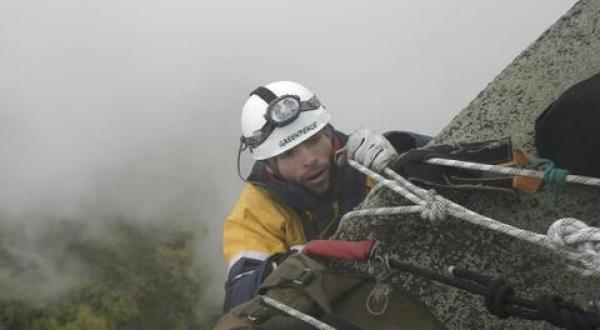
556, 177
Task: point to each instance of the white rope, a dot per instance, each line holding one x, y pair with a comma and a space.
588, 259
382, 211
436, 208
393, 185
509, 170
576, 234
296, 313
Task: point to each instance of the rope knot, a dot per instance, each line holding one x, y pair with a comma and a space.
576, 234
435, 209
496, 298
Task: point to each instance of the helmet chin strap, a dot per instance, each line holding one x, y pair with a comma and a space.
243, 146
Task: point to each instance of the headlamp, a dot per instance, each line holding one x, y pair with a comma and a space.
281, 112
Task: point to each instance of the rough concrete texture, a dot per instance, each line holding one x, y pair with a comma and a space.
569, 51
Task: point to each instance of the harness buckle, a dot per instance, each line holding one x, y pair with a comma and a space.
259, 316
305, 277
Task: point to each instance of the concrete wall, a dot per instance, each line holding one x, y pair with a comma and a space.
569, 51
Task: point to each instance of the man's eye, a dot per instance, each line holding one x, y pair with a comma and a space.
313, 139
287, 154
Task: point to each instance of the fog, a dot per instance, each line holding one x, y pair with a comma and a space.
131, 108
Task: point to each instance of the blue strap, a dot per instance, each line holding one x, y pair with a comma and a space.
554, 176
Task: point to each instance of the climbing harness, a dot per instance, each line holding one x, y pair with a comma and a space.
573, 240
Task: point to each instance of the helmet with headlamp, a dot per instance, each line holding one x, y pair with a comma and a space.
279, 116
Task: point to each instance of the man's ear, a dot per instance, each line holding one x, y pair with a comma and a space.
271, 166
269, 169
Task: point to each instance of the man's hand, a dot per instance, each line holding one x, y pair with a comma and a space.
273, 262
370, 149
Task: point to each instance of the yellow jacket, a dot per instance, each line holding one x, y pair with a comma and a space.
259, 226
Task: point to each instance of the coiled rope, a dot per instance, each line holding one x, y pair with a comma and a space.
569, 238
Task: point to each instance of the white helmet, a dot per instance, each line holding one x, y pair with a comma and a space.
280, 116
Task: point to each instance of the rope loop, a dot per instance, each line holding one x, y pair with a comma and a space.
378, 296
435, 209
576, 234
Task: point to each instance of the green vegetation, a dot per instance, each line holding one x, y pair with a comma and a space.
143, 277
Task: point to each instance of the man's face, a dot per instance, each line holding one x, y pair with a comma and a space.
308, 164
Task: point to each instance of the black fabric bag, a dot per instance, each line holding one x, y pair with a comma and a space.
567, 132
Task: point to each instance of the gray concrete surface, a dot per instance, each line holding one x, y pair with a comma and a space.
569, 51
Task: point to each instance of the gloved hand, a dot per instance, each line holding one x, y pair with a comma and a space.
370, 149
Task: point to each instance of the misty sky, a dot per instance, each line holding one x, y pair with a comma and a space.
132, 107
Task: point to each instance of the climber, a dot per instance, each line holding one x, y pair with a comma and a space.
296, 190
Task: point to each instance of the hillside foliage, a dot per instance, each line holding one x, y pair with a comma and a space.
145, 277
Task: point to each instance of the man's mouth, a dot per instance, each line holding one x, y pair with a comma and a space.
315, 176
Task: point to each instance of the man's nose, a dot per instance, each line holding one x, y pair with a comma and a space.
305, 156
